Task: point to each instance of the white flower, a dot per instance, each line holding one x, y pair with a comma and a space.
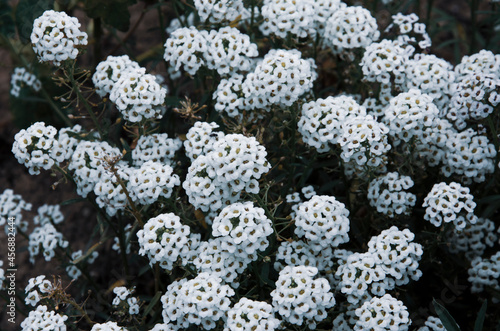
152, 181
56, 37
450, 203
388, 193
42, 319
202, 301
185, 48
45, 239
162, 239
385, 313
485, 272
299, 298
220, 11
108, 72
351, 27
108, 326
286, 16
248, 315
20, 78
12, 206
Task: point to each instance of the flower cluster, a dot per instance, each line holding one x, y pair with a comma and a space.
20, 78
299, 298
108, 326
218, 178
474, 238
151, 181
409, 31
110, 71
73, 270
432, 324
283, 17
65, 145
110, 187
124, 299
364, 145
385, 313
138, 96
321, 121
323, 221
45, 239
388, 193
219, 11
202, 301
36, 289
201, 138
485, 272
43, 319
351, 27
249, 315
156, 147
450, 203
12, 206
162, 239
279, 79
56, 37
48, 214
33, 147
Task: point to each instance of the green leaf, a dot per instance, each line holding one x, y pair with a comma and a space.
445, 317
72, 201
6, 22
26, 13
112, 12
152, 303
478, 325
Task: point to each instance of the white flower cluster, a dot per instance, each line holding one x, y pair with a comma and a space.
124, 299
72, 270
229, 96
152, 181
351, 27
321, 121
33, 147
324, 10
219, 177
219, 11
20, 78
299, 298
282, 17
36, 289
110, 194
409, 31
484, 61
386, 62
110, 71
450, 203
162, 240
164, 327
469, 155
388, 193
156, 147
364, 145
138, 96
474, 238
66, 143
432, 76
248, 315
432, 324
201, 138
229, 50
385, 313
244, 229
226, 50
87, 164
432, 144
42, 319
323, 221
485, 272
281, 78
391, 260
48, 214
12, 206
127, 236
408, 115
474, 97
202, 301
108, 326
46, 239
56, 37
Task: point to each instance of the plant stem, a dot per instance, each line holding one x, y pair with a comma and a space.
86, 104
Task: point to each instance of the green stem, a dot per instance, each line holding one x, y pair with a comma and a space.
86, 104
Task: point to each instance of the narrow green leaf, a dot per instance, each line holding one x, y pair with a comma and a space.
478, 325
445, 317
72, 201
152, 303
87, 254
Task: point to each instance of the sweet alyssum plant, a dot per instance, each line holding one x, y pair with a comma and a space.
323, 170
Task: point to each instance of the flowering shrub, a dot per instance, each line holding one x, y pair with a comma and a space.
264, 165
